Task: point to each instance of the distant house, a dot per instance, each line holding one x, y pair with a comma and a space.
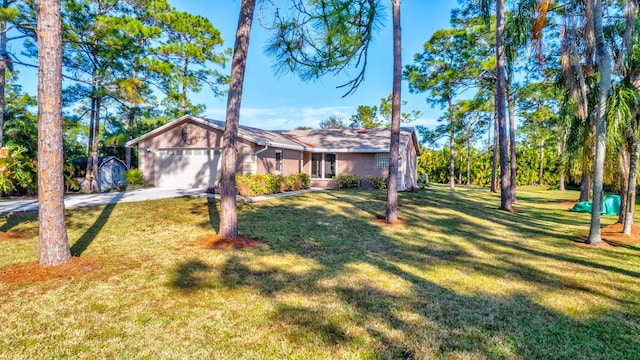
111, 172
186, 153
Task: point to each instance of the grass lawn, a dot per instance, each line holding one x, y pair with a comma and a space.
460, 280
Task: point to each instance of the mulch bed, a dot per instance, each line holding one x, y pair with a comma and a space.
33, 272
563, 202
383, 221
612, 236
12, 235
240, 242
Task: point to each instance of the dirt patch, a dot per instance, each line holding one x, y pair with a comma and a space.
383, 221
12, 235
33, 272
240, 242
612, 236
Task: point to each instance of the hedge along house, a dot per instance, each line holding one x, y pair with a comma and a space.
186, 153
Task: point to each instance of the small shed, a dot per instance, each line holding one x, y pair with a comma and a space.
111, 173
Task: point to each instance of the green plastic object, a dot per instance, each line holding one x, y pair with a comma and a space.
582, 207
610, 206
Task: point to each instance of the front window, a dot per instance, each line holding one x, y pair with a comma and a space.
323, 166
382, 161
278, 161
329, 166
316, 165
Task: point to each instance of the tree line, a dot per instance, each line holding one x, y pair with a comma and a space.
128, 67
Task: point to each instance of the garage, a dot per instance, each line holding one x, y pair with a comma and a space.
187, 168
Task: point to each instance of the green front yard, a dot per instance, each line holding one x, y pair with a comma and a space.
460, 280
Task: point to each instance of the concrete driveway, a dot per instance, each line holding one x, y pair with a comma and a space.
80, 200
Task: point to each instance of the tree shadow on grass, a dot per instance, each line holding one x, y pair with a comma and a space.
187, 277
406, 312
81, 245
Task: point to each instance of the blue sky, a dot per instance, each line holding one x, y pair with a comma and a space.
285, 102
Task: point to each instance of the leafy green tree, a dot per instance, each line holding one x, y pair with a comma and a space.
366, 117
333, 122
188, 59
371, 117
539, 106
447, 66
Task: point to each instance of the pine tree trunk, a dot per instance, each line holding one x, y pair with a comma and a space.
183, 103
625, 159
53, 242
469, 157
505, 178
604, 67
452, 149
541, 165
494, 160
512, 139
561, 150
4, 63
228, 214
394, 148
585, 187
90, 183
631, 192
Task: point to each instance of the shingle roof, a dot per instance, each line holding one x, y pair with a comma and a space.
257, 135
353, 140
325, 140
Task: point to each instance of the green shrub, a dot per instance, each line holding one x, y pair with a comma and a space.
258, 184
17, 173
134, 177
272, 184
305, 180
378, 182
292, 183
242, 184
349, 181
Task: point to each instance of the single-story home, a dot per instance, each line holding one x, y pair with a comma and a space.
186, 153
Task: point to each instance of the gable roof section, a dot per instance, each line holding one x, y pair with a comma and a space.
327, 140
258, 136
349, 140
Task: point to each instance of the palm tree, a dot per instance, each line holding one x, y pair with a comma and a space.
604, 68
53, 244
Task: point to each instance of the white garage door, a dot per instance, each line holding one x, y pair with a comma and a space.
192, 168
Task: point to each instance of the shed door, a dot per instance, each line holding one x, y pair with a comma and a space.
187, 168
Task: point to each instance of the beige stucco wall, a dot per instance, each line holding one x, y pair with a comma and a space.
409, 167
172, 139
362, 164
291, 163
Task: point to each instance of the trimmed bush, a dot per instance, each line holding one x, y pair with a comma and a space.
378, 182
265, 184
348, 181
305, 180
258, 184
134, 177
